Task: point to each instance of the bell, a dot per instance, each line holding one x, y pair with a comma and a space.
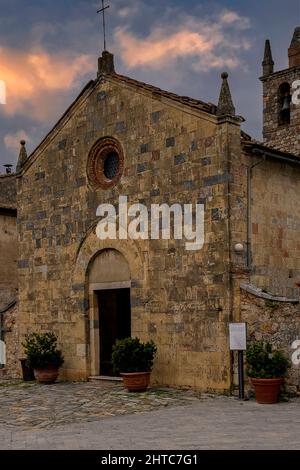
286, 104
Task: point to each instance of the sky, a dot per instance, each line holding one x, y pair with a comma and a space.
49, 51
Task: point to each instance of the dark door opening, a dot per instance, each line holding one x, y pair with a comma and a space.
114, 323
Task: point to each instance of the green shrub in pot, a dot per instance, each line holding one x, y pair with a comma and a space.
266, 368
265, 363
43, 356
134, 361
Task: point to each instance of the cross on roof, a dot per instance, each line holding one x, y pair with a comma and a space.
102, 10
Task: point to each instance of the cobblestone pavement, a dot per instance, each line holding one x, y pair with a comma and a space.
30, 405
92, 416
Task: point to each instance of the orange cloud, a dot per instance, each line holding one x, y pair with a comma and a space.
159, 47
34, 79
212, 44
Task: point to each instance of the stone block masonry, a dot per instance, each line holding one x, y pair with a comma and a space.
276, 322
178, 298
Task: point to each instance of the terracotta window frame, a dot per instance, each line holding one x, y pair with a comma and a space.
97, 156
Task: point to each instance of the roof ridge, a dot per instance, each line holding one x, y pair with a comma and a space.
266, 147
192, 102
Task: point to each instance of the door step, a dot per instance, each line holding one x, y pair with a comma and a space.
104, 378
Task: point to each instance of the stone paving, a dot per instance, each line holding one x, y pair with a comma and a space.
105, 417
29, 405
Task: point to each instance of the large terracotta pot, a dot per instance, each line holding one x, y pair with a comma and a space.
136, 381
46, 375
267, 390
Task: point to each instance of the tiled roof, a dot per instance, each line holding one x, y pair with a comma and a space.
256, 147
186, 100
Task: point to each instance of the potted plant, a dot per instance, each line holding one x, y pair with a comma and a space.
266, 368
133, 360
43, 356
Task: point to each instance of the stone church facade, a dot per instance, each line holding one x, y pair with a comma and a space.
124, 137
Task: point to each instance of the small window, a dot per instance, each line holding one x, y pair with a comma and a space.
284, 104
111, 165
105, 163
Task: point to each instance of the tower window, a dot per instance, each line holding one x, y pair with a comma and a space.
284, 104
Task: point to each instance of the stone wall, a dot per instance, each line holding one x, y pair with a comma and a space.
180, 299
276, 322
8, 235
8, 191
10, 321
8, 250
275, 217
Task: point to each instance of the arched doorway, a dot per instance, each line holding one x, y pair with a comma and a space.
110, 310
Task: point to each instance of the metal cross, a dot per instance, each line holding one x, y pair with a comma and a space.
102, 10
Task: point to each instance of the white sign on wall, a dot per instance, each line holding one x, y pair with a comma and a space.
2, 352
238, 336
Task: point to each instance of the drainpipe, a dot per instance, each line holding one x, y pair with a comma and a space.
249, 201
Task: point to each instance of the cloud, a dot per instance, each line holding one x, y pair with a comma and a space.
231, 17
35, 79
12, 141
129, 10
124, 12
210, 43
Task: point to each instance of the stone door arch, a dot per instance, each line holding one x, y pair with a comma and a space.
109, 282
89, 269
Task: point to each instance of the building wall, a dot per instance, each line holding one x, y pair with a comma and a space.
283, 137
8, 191
8, 236
278, 323
10, 322
275, 228
8, 251
8, 271
180, 299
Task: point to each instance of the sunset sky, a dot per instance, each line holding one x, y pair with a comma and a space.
49, 50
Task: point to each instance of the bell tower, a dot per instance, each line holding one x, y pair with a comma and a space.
281, 118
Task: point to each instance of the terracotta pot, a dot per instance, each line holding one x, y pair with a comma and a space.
136, 381
267, 390
46, 375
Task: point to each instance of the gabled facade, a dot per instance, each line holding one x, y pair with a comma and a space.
175, 150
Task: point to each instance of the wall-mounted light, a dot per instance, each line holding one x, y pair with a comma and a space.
239, 248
